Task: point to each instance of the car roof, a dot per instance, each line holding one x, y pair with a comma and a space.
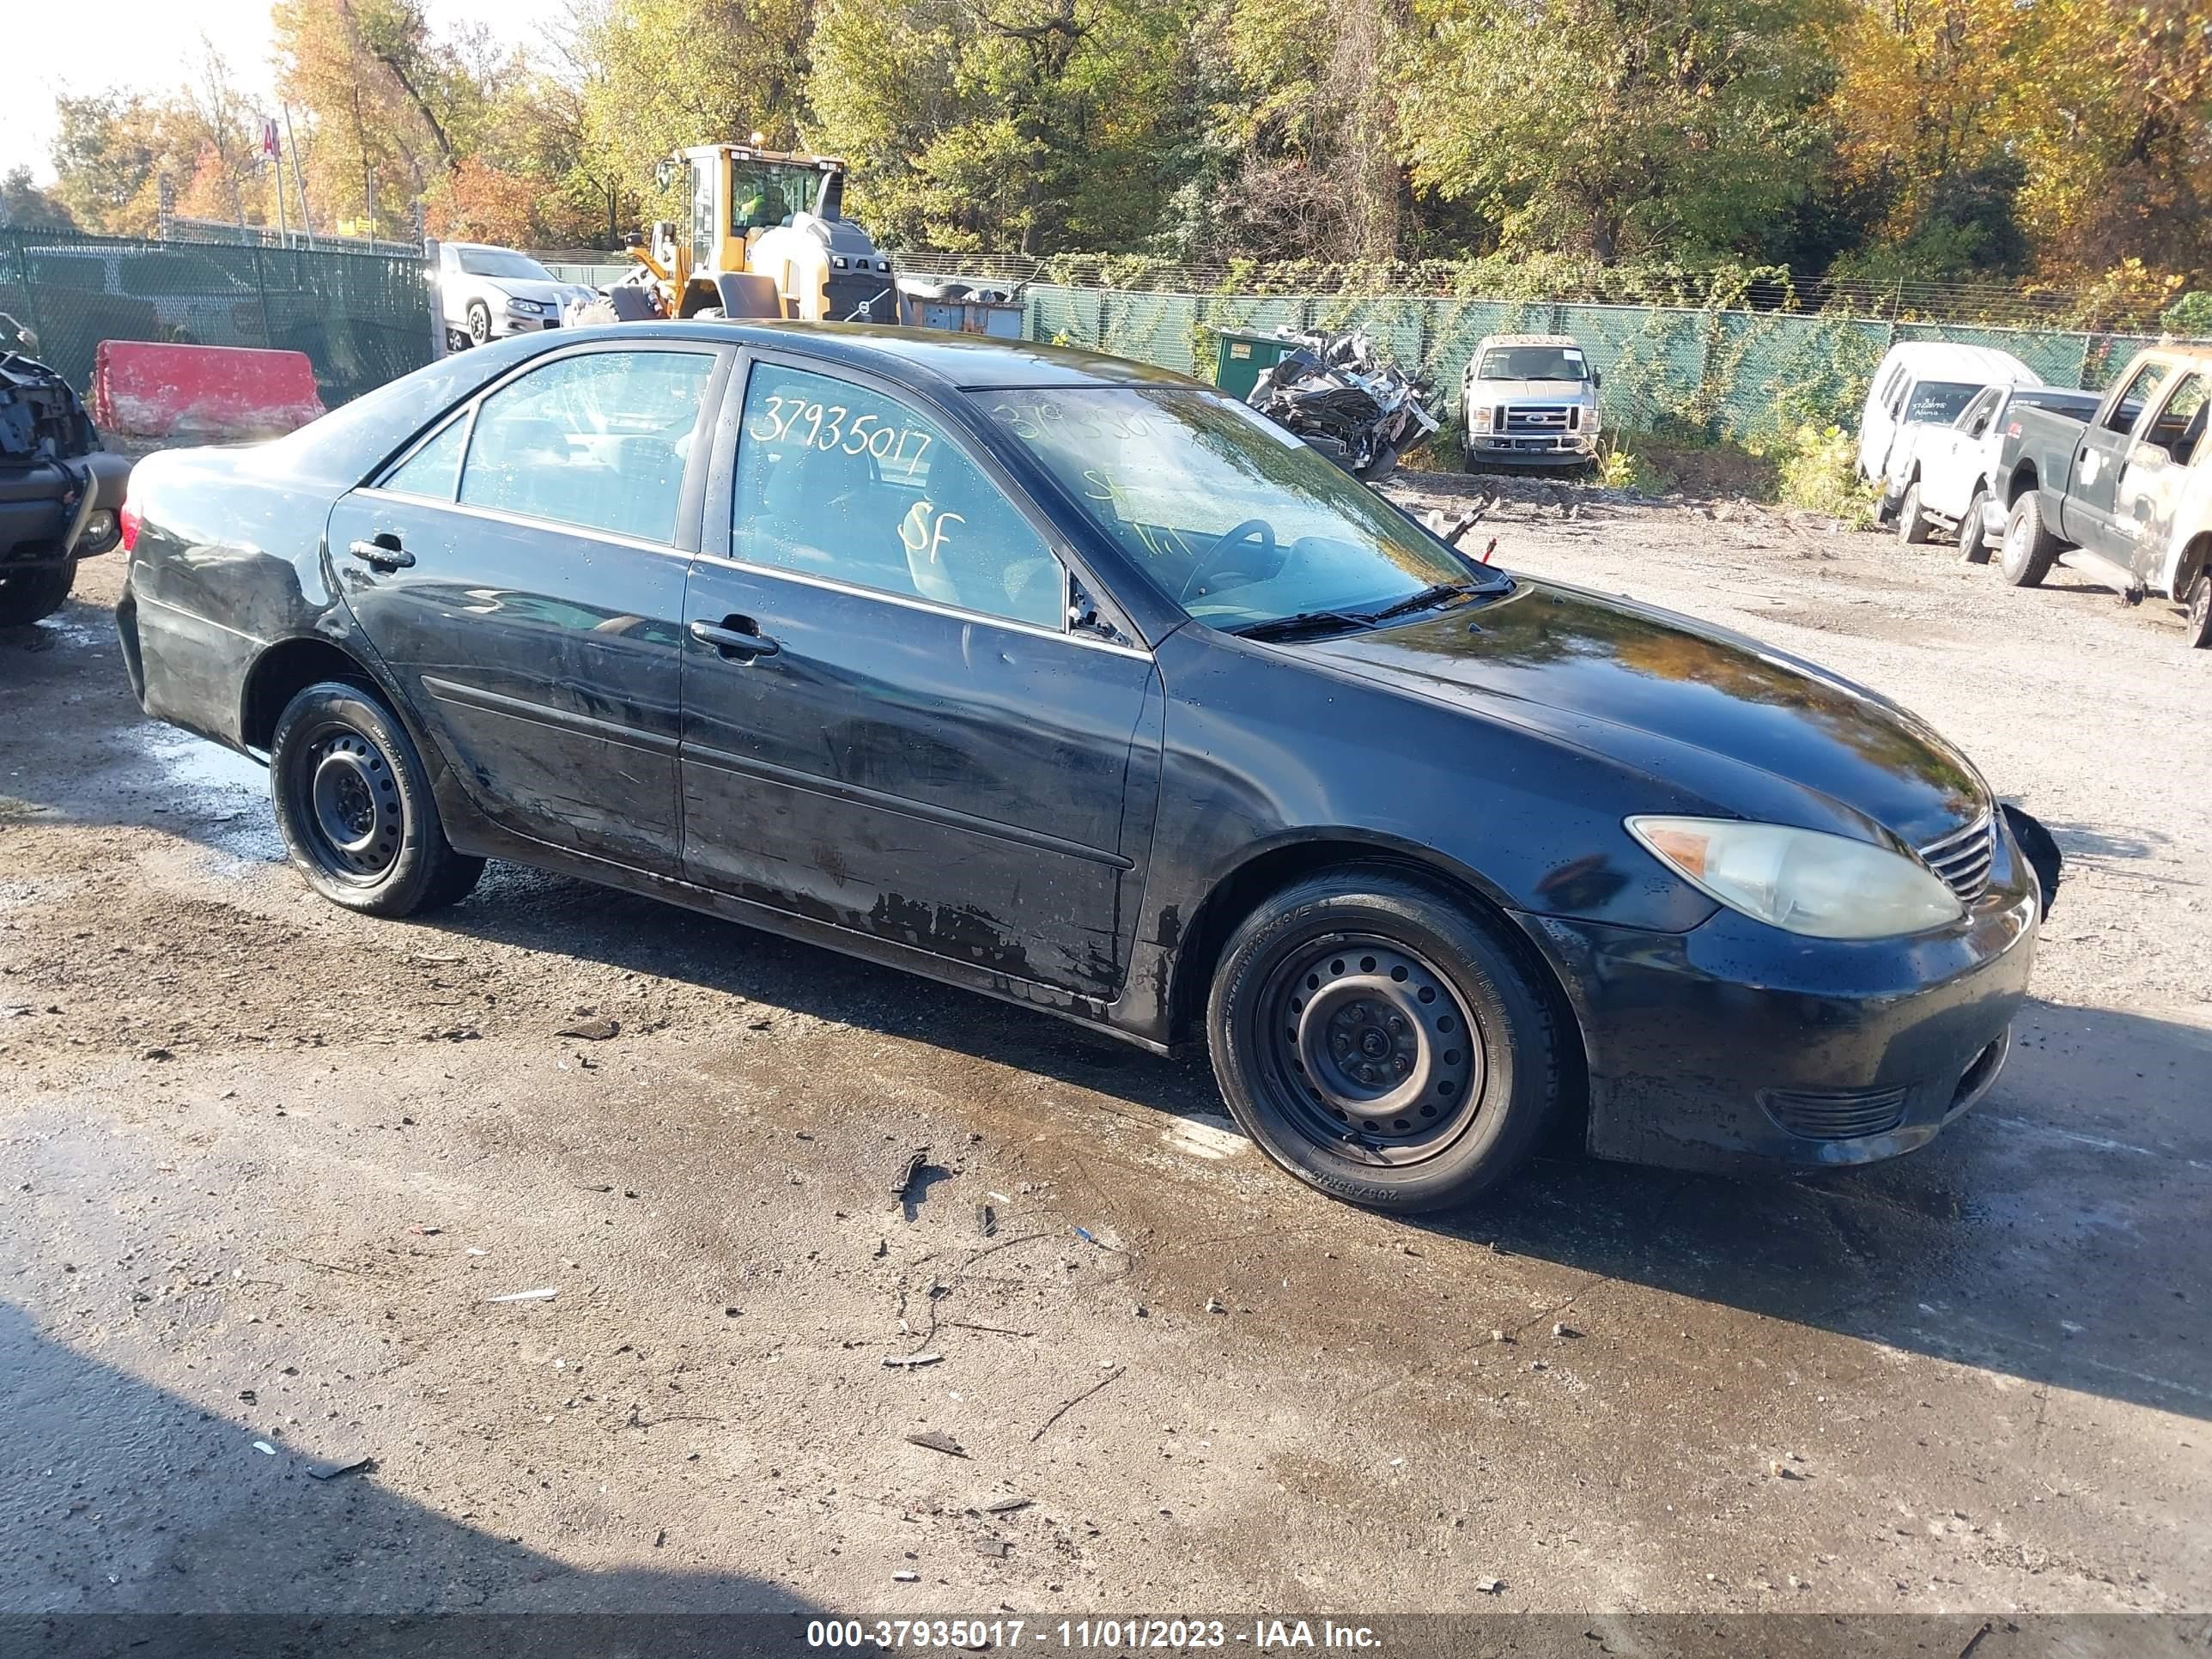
962, 363
1527, 340
1984, 364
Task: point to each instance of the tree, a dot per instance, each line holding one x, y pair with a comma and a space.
1615, 127
1036, 124
23, 203
108, 152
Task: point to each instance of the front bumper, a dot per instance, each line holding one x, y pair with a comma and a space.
1738, 1047
1560, 449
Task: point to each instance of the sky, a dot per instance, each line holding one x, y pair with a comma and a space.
150, 44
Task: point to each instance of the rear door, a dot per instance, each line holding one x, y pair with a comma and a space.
889, 723
522, 573
2088, 516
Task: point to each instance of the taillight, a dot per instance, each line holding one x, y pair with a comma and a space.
128, 518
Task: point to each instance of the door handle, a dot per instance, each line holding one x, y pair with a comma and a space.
384, 553
737, 638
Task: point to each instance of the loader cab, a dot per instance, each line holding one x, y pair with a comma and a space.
739, 191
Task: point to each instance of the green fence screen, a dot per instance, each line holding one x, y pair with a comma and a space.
1730, 374
361, 319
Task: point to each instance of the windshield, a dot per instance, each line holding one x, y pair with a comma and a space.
1533, 362
764, 193
1939, 400
503, 262
1227, 512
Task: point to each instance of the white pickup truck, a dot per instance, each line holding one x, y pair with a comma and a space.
1946, 478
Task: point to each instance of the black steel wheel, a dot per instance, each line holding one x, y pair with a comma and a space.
355, 806
1378, 1039
29, 596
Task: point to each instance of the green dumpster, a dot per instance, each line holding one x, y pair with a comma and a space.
1241, 359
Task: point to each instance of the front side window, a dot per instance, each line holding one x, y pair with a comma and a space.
1975, 420
2140, 390
766, 193
1230, 515
841, 481
598, 441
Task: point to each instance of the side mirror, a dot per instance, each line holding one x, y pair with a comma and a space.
664, 172
1597, 380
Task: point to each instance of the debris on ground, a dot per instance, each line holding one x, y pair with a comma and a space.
1344, 399
264, 1449
1490, 1586
546, 1294
987, 1220
592, 1028
1564, 1331
912, 1358
1067, 1406
996, 1548
1213, 1305
911, 1167
904, 1576
348, 1465
1008, 1505
937, 1440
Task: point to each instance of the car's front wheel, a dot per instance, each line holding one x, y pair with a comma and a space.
1912, 524
2200, 609
479, 321
355, 807
1380, 1042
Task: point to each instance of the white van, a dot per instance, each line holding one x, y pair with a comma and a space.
1928, 383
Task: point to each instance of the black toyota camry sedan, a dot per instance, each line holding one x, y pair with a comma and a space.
1071, 682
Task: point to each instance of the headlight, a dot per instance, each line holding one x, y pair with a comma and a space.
524, 307
1802, 881
1479, 420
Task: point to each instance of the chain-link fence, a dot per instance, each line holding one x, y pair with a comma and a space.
1720, 373
361, 319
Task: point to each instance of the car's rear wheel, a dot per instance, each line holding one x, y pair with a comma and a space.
1380, 1042
1973, 540
28, 596
2030, 550
1912, 524
2200, 611
355, 807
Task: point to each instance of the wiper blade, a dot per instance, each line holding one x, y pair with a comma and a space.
1435, 594
1306, 621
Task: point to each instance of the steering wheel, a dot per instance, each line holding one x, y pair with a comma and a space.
1235, 537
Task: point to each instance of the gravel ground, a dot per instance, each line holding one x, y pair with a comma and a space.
271, 1165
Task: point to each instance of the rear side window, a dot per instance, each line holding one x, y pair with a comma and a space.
435, 470
598, 441
841, 481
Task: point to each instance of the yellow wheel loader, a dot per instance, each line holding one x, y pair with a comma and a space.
765, 236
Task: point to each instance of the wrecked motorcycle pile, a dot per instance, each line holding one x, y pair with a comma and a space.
1359, 408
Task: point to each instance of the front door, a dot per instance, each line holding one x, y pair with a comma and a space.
2156, 475
888, 724
2089, 516
522, 573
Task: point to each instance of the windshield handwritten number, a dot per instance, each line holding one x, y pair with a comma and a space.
858, 442
836, 434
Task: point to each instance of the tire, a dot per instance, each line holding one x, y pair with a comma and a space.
355, 807
2029, 549
1300, 1021
479, 322
1912, 525
29, 596
1384, 463
2200, 611
1973, 541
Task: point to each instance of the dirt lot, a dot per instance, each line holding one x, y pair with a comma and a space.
270, 1164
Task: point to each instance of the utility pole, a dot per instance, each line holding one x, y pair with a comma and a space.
291, 144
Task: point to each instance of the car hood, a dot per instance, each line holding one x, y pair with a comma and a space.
524, 287
1754, 732
1557, 392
